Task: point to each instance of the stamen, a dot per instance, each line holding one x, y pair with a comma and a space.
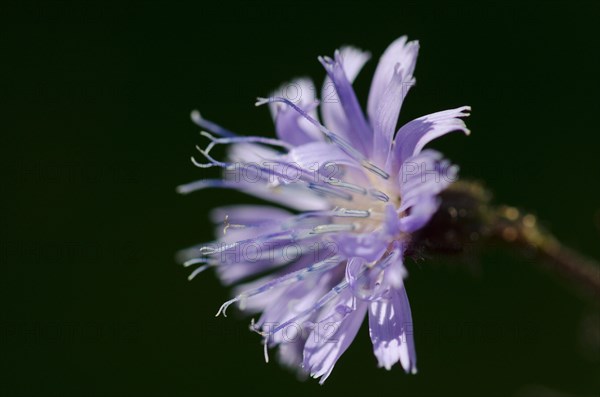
379, 195
207, 250
224, 306
215, 183
211, 159
336, 212
205, 184
295, 221
195, 261
328, 190
346, 185
198, 271
273, 237
202, 184
265, 336
243, 139
374, 169
209, 125
266, 351
332, 228
311, 185
230, 225
254, 328
202, 165
343, 212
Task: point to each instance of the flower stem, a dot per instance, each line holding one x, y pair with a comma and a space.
468, 220
522, 230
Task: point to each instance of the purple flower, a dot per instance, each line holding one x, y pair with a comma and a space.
359, 190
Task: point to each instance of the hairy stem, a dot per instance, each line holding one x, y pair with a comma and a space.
468, 220
523, 231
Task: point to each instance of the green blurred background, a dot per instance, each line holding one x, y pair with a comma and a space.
96, 135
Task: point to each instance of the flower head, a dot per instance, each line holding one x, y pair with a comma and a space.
358, 189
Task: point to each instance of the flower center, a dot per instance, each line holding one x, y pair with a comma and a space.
366, 207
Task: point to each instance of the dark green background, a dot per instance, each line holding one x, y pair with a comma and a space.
96, 135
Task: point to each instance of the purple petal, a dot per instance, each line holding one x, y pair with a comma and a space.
259, 183
260, 302
391, 220
359, 282
290, 355
427, 173
420, 214
247, 260
363, 282
250, 153
398, 53
247, 223
295, 299
316, 155
422, 178
270, 243
350, 122
365, 279
390, 327
257, 303
332, 335
331, 109
386, 103
248, 215
369, 246
414, 135
233, 267
395, 273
